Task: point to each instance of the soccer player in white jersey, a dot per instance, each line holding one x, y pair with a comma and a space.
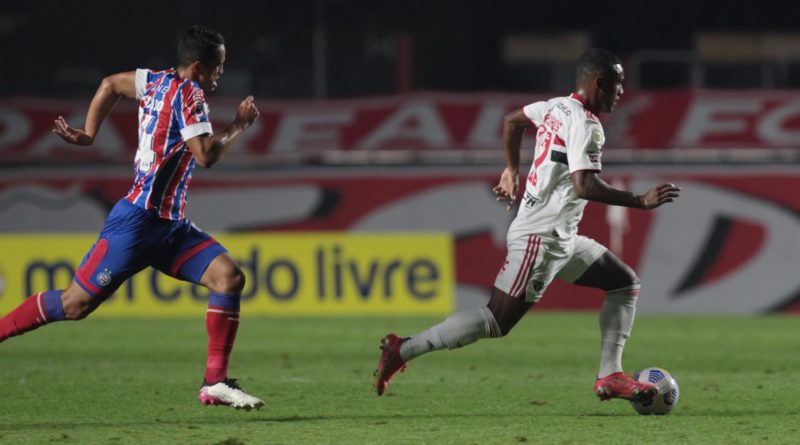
543, 243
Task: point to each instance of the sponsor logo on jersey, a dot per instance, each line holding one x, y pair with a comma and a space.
530, 201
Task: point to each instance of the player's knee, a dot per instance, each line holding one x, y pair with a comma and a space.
232, 281
627, 278
505, 328
504, 324
634, 279
76, 308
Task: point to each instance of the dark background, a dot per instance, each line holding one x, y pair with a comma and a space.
63, 48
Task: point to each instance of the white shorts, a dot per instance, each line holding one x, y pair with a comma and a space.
532, 262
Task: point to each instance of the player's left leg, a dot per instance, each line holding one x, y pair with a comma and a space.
225, 280
530, 265
596, 266
198, 258
458, 330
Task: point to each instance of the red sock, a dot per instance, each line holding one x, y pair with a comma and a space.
26, 317
221, 325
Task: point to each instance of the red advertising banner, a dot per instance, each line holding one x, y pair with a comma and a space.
729, 245
421, 121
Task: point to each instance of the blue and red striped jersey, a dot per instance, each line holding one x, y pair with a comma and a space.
171, 111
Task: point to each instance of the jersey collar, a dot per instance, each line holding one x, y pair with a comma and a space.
577, 97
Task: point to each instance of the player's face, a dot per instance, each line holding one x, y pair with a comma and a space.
611, 89
209, 75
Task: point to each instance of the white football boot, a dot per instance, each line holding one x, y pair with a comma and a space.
228, 393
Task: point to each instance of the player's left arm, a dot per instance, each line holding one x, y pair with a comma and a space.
208, 149
588, 185
585, 139
111, 89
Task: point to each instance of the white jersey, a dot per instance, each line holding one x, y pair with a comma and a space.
569, 138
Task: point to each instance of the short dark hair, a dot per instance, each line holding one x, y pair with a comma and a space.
199, 43
595, 62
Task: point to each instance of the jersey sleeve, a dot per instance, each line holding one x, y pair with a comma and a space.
142, 79
193, 118
584, 143
536, 112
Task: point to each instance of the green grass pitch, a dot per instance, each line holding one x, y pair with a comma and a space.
110, 381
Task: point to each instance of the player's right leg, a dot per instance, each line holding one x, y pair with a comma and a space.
119, 252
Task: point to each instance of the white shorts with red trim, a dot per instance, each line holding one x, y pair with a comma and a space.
533, 261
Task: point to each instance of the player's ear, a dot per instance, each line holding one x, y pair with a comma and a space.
196, 68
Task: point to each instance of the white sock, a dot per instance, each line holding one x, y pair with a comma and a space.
616, 322
459, 329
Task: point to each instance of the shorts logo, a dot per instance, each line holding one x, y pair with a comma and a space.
104, 277
537, 286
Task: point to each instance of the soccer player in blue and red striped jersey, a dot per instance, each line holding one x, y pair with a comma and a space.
147, 227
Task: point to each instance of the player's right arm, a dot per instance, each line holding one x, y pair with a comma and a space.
514, 125
111, 89
208, 150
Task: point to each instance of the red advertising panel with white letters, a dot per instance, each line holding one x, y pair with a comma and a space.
424, 121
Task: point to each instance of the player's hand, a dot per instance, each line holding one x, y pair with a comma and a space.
247, 112
507, 188
660, 194
69, 134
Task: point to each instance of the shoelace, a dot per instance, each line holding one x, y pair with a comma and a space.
231, 383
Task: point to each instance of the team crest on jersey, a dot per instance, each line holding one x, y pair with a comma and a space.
104, 277
201, 108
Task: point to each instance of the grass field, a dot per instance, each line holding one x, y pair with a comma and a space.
135, 382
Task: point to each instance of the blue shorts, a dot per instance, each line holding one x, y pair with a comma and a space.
133, 239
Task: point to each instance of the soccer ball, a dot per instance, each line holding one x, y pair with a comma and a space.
667, 396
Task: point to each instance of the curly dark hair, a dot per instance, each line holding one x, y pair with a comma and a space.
199, 43
595, 62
